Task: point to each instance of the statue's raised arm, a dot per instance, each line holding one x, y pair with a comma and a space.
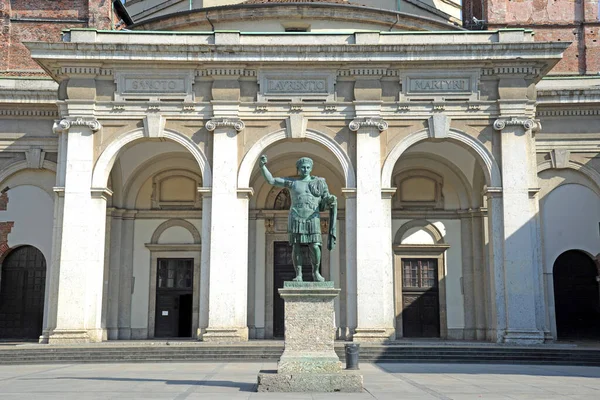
262, 164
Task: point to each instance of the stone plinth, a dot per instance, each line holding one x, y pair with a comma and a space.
309, 362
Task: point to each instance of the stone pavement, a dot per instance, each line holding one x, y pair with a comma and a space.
215, 381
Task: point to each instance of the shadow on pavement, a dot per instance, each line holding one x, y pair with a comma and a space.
242, 386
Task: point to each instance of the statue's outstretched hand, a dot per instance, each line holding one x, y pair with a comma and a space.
263, 160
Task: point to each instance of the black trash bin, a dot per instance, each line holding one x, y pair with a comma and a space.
352, 350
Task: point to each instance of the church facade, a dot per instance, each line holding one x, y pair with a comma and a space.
467, 178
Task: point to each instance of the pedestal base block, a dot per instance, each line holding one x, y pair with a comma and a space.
271, 381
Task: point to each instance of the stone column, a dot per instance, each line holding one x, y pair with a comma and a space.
374, 272
51, 295
520, 256
349, 287
79, 317
126, 274
227, 316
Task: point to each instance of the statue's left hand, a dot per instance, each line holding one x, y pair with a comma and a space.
331, 201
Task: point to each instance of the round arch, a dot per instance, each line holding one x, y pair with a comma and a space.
176, 222
427, 226
22, 165
588, 172
109, 155
256, 150
483, 155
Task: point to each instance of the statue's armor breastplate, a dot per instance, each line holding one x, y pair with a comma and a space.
304, 204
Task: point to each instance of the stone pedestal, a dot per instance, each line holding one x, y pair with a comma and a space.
309, 362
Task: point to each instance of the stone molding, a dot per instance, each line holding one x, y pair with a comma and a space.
215, 123
84, 71
376, 72
65, 124
358, 123
514, 70
568, 113
28, 113
526, 123
237, 72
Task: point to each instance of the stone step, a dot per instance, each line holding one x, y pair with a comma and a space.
199, 353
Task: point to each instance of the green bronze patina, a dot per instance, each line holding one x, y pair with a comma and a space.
309, 196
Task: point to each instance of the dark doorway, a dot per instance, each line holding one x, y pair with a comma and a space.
576, 296
420, 298
283, 268
22, 286
174, 294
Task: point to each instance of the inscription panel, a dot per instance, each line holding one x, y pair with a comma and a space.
296, 85
432, 85
140, 85
440, 85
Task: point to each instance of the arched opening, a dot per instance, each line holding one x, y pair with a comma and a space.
438, 211
576, 296
154, 278
22, 286
270, 259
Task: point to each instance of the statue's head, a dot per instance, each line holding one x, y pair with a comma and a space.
304, 166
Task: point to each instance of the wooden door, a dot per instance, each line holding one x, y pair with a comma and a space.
576, 296
420, 298
22, 287
174, 295
283, 269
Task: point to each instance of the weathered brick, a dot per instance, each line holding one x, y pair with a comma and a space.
5, 228
554, 20
16, 27
3, 201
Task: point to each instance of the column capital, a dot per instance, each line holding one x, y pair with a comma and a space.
63, 125
215, 123
526, 123
358, 123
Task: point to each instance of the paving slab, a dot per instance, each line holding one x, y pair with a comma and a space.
222, 380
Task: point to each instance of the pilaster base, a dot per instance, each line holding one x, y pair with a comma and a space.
513, 336
43, 339
225, 335
69, 337
374, 335
124, 333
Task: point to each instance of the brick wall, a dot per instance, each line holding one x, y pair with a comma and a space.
573, 21
3, 201
5, 228
43, 20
